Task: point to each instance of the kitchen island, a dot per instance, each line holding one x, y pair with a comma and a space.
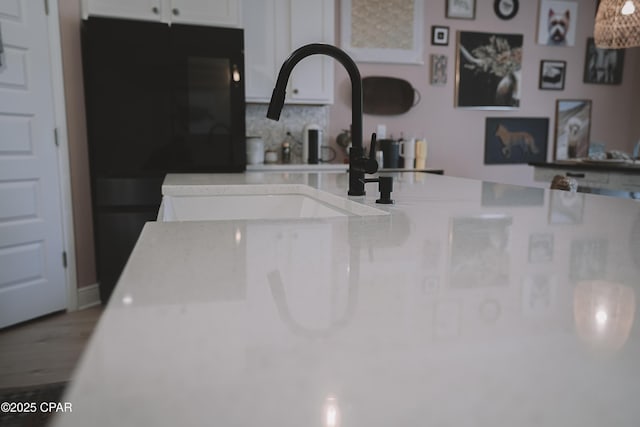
465, 303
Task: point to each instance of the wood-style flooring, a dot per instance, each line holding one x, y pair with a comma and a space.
45, 350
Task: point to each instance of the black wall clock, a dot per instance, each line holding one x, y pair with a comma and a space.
506, 9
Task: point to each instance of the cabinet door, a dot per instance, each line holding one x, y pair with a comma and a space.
149, 10
218, 13
266, 44
312, 79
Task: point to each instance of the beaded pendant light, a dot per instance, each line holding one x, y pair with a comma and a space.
617, 24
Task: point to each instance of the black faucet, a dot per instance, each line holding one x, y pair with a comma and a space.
358, 163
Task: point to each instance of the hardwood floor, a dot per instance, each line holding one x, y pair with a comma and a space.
45, 350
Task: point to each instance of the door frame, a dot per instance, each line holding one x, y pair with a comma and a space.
64, 170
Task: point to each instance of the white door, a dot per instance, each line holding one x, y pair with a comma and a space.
32, 276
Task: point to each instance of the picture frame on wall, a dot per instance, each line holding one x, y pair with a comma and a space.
461, 9
557, 23
603, 66
552, 74
512, 140
506, 9
439, 35
371, 33
488, 70
438, 70
572, 129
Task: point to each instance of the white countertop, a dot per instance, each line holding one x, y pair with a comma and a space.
471, 304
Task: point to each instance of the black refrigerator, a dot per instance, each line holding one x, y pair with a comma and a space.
159, 99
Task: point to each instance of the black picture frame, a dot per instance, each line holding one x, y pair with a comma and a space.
513, 140
553, 74
603, 66
572, 129
439, 35
488, 70
506, 9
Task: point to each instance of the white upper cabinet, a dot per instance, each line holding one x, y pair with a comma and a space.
275, 28
219, 13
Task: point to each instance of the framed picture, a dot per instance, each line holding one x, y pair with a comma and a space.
603, 66
506, 9
488, 71
439, 35
510, 140
557, 23
461, 9
439, 70
573, 125
385, 32
552, 74
479, 251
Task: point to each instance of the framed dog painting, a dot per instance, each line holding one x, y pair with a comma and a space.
488, 71
603, 66
573, 125
557, 23
515, 140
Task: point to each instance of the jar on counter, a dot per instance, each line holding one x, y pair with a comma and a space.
271, 156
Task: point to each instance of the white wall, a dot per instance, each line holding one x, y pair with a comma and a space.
456, 136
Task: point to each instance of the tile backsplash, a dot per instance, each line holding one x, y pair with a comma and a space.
293, 119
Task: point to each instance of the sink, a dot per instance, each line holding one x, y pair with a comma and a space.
259, 202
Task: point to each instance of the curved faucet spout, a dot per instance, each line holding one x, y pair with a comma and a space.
277, 98
357, 160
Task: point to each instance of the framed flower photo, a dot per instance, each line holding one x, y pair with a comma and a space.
488, 70
552, 74
461, 9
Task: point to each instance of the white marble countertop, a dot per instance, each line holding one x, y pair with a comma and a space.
471, 304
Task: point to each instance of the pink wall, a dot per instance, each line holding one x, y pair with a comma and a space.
69, 11
456, 136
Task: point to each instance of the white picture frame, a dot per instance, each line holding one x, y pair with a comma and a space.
461, 9
411, 55
557, 23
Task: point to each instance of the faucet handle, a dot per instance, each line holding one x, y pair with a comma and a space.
370, 164
372, 147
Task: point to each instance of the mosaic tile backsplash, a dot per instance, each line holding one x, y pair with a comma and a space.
293, 119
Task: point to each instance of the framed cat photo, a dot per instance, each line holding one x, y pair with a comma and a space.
513, 140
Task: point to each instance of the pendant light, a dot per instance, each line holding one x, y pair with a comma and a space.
617, 24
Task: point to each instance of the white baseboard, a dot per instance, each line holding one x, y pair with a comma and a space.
88, 296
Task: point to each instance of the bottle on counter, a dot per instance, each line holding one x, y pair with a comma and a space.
421, 153
286, 152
